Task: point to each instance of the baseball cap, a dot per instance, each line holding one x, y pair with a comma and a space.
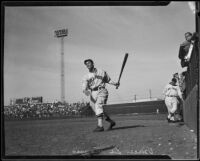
175, 74
174, 80
88, 60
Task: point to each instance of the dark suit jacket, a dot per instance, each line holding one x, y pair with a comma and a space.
183, 50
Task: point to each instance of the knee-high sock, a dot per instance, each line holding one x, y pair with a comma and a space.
107, 118
100, 121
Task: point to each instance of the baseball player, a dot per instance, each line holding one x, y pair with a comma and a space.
94, 86
179, 83
172, 92
177, 77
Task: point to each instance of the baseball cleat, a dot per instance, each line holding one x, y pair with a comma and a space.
111, 125
171, 121
98, 129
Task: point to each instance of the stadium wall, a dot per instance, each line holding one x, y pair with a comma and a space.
198, 97
190, 109
191, 104
140, 107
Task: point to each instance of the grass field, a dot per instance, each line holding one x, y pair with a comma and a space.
143, 134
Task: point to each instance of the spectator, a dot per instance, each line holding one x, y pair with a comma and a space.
186, 48
182, 84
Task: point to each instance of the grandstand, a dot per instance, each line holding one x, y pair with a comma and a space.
26, 100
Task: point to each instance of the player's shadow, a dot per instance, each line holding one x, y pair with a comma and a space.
127, 127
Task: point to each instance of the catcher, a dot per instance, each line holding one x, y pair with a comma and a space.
94, 86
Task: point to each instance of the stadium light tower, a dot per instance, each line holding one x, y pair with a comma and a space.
61, 34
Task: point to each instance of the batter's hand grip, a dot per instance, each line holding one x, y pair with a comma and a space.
117, 85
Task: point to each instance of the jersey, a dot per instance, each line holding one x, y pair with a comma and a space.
95, 80
171, 90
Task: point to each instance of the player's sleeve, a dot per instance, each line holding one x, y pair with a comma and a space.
179, 92
84, 83
107, 78
165, 90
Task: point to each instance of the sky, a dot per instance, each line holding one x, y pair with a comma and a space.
150, 34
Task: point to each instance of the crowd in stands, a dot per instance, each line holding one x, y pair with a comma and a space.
47, 110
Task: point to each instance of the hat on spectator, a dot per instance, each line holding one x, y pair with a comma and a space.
85, 61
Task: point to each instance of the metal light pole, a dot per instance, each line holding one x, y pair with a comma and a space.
135, 97
150, 94
61, 34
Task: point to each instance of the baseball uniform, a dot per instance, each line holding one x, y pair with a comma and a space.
172, 92
95, 83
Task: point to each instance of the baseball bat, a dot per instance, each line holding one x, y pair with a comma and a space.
122, 68
95, 151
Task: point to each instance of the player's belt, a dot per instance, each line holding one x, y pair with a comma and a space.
97, 88
171, 96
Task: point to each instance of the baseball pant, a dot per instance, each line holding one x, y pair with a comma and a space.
172, 104
97, 100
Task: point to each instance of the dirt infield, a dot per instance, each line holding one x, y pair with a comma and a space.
133, 135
